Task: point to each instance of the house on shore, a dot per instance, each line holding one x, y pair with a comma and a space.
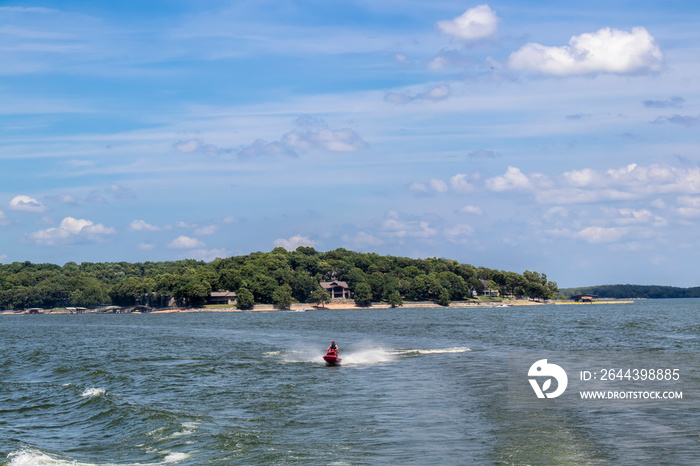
584, 298
486, 290
337, 289
222, 297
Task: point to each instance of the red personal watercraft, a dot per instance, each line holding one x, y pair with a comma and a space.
332, 358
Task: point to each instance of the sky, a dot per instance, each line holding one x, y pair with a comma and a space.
557, 137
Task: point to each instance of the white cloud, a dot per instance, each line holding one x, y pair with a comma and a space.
581, 178
208, 255
262, 148
556, 212
632, 216
294, 242
475, 23
402, 229
512, 179
434, 94
418, 187
361, 241
207, 230
438, 185
689, 206
146, 246
471, 209
605, 51
3, 257
460, 183
26, 204
601, 234
72, 229
141, 225
339, 140
459, 233
185, 242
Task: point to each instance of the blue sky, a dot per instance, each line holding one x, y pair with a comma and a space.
548, 136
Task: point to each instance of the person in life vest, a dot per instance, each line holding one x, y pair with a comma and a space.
332, 349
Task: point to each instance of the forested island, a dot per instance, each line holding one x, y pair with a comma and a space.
278, 277
633, 291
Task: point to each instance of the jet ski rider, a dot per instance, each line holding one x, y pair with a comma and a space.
333, 348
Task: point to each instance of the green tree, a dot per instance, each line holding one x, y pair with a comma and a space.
89, 292
320, 297
395, 299
443, 297
282, 297
244, 300
363, 294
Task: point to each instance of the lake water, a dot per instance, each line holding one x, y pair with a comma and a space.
417, 386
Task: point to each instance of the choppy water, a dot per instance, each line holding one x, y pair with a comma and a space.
417, 386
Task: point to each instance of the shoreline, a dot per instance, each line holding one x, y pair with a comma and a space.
300, 307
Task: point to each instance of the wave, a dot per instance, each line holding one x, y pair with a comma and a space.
458, 349
368, 356
90, 392
33, 457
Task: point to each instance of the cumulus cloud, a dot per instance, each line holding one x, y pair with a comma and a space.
598, 234
689, 206
629, 182
311, 134
26, 204
435, 185
436, 93
632, 216
438, 185
262, 148
402, 229
459, 233
461, 183
290, 244
512, 179
605, 51
340, 140
361, 241
476, 23
185, 242
142, 225
207, 230
471, 209
197, 146
70, 230
121, 192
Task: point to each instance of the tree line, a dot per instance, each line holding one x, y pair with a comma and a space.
277, 277
633, 291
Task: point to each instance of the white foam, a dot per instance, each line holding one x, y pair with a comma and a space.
459, 349
31, 457
175, 457
90, 392
367, 357
188, 428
